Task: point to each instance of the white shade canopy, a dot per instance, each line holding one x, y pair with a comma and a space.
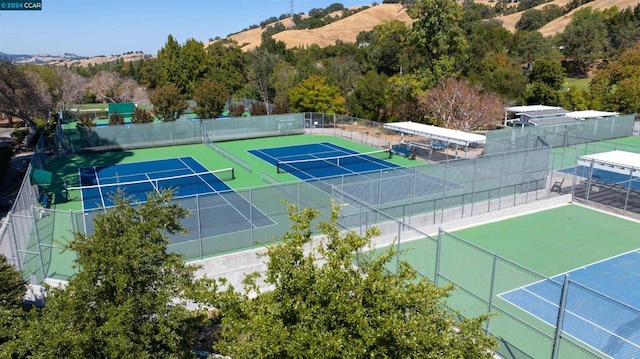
437, 133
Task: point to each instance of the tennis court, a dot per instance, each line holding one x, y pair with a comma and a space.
185, 175
323, 160
516, 266
612, 327
226, 210
604, 176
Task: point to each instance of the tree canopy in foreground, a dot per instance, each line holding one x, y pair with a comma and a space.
322, 305
127, 299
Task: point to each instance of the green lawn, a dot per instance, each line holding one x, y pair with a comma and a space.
580, 84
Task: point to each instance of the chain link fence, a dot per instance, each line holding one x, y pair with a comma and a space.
513, 171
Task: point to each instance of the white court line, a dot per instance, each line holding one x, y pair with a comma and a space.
605, 212
556, 307
232, 191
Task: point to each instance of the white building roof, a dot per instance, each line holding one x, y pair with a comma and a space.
613, 161
437, 133
531, 108
590, 114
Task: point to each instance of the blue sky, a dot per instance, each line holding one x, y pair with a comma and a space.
91, 28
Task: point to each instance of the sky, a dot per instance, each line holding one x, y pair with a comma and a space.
92, 28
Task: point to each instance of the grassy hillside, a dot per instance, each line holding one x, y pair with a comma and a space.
558, 25
347, 29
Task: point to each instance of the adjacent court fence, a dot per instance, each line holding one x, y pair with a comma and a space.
562, 135
480, 277
181, 132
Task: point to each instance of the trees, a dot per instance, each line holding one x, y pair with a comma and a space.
368, 99
228, 64
168, 102
12, 290
315, 95
12, 285
194, 64
457, 105
321, 305
210, 97
387, 48
584, 39
141, 116
19, 96
169, 64
615, 87
127, 299
436, 37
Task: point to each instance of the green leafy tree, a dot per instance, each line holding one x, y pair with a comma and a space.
549, 72
613, 86
316, 95
168, 102
503, 75
436, 38
368, 98
12, 286
532, 19
12, 290
169, 68
623, 30
321, 305
210, 97
228, 64
141, 116
20, 96
584, 39
194, 64
541, 93
387, 49
127, 299
529, 45
402, 98
574, 99
283, 79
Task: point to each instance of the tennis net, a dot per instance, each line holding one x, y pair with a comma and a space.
184, 185
340, 161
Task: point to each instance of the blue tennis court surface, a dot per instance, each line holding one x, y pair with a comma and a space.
218, 209
185, 175
601, 175
591, 316
323, 160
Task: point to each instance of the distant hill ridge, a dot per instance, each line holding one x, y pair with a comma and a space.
346, 30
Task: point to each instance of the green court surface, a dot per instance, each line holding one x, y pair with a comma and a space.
557, 240
549, 242
59, 223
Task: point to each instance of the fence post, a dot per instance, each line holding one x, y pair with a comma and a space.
398, 256
35, 227
559, 323
492, 287
501, 182
251, 226
199, 227
438, 254
15, 241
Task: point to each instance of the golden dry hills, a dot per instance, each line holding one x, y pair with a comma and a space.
558, 25
347, 29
